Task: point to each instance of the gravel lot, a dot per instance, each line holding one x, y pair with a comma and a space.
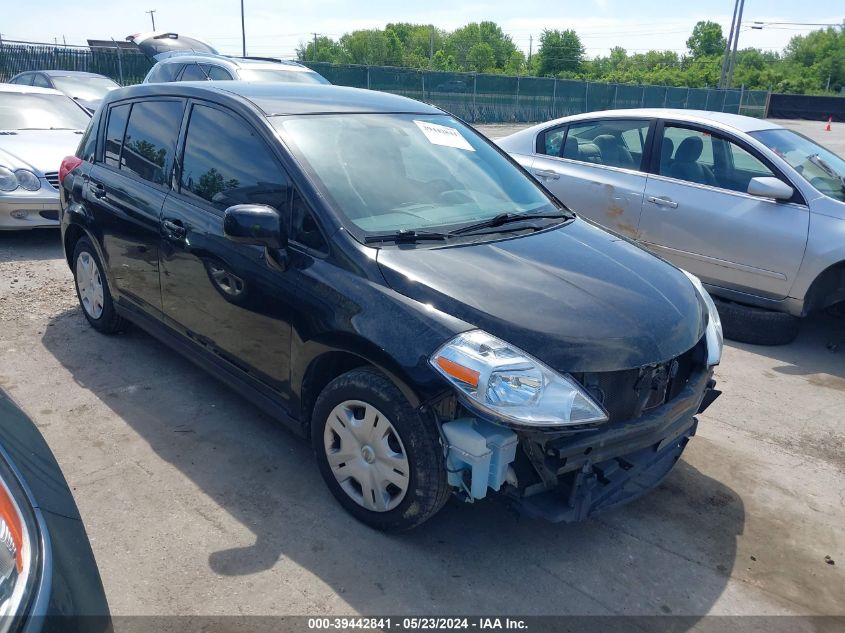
197, 503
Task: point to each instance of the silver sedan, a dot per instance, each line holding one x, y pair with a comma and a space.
38, 128
755, 210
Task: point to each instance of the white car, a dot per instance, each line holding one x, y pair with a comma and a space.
755, 210
38, 128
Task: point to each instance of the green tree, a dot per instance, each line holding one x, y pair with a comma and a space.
706, 39
460, 42
325, 50
560, 51
481, 58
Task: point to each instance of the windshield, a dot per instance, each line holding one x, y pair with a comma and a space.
273, 74
20, 111
394, 172
85, 88
823, 169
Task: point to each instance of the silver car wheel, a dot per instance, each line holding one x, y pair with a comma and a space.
366, 456
89, 283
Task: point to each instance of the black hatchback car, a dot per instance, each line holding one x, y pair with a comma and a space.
385, 280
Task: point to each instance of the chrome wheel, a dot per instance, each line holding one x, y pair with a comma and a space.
366, 456
89, 283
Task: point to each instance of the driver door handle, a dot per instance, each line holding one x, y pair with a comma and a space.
663, 202
174, 229
547, 174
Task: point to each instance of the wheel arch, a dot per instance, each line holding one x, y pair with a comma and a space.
324, 361
827, 288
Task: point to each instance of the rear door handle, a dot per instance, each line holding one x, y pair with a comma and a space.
98, 189
663, 202
547, 174
174, 229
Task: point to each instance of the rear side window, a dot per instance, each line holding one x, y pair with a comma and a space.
118, 115
40, 81
150, 140
162, 73
613, 143
226, 163
193, 73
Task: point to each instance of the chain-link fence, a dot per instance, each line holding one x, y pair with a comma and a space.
478, 98
485, 98
125, 65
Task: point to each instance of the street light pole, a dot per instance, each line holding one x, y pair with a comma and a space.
725, 61
243, 30
736, 43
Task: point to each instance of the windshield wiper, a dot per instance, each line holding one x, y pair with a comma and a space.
405, 235
507, 218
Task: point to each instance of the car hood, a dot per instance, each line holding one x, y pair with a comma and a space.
39, 149
576, 297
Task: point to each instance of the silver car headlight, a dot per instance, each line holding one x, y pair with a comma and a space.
715, 338
8, 180
28, 180
510, 386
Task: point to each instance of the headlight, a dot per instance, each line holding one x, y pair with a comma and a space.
715, 338
510, 386
8, 181
18, 548
28, 180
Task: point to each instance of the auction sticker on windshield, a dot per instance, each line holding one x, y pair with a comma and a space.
443, 135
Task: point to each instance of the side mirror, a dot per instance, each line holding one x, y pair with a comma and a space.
260, 225
768, 187
255, 224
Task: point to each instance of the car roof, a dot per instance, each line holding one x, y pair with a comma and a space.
281, 98
231, 62
30, 90
736, 121
68, 73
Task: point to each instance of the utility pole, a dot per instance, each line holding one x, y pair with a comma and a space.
530, 47
431, 48
152, 17
243, 31
736, 42
725, 61
315, 47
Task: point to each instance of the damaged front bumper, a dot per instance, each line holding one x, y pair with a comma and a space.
568, 476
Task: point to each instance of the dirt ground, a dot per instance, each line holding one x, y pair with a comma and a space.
197, 503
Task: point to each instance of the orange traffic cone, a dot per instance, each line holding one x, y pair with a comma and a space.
827, 127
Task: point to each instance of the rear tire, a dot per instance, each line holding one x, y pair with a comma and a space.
92, 290
368, 401
757, 326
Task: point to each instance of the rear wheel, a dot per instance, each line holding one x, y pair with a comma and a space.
92, 289
380, 459
758, 326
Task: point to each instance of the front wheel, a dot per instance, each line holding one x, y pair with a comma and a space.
379, 458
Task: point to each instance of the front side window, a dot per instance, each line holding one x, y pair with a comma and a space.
87, 88
388, 172
163, 72
150, 140
705, 158
23, 80
227, 163
823, 169
613, 143
118, 115
30, 111
553, 141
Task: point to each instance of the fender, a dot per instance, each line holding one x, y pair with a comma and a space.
825, 250
76, 215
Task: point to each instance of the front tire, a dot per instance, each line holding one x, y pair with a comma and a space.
379, 458
92, 290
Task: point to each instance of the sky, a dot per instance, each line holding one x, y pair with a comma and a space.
275, 28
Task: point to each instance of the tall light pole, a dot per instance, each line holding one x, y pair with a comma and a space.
726, 60
152, 17
736, 43
243, 30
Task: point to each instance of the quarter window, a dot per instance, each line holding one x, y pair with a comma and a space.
215, 73
118, 115
227, 163
150, 140
193, 73
303, 226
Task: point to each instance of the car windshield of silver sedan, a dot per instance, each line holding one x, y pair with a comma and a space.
823, 169
86, 88
277, 74
40, 112
387, 173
